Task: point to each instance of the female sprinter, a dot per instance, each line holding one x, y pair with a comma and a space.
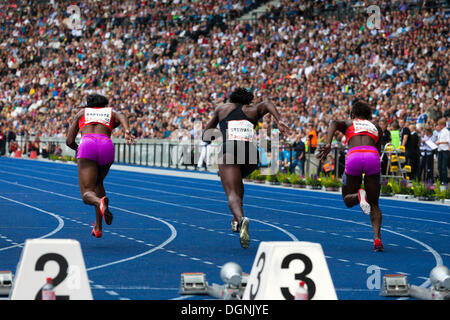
363, 157
95, 154
239, 156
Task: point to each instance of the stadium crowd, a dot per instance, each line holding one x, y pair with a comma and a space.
166, 64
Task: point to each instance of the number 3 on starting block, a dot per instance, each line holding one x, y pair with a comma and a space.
60, 259
280, 266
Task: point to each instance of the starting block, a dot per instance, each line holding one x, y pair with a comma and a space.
395, 285
193, 283
5, 282
60, 259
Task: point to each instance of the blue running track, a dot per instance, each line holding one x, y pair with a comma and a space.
164, 226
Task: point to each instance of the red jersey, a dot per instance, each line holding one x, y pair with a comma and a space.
102, 116
362, 127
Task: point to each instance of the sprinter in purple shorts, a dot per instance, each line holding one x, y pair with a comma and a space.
363, 157
95, 154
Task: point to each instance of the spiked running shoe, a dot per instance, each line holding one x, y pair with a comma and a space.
244, 237
104, 210
365, 206
377, 245
96, 233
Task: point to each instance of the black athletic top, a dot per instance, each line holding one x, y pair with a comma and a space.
237, 128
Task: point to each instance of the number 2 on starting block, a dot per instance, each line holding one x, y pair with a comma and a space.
60, 259
280, 266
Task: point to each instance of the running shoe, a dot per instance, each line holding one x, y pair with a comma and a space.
377, 245
234, 226
104, 210
96, 233
365, 206
244, 237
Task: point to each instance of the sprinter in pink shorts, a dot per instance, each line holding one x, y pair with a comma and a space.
363, 157
95, 154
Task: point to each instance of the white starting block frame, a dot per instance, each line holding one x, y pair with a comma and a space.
280, 266
60, 259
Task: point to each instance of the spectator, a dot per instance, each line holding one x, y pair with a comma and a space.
426, 156
443, 143
57, 151
385, 139
2, 141
414, 152
11, 136
311, 139
46, 151
299, 154
204, 158
328, 167
13, 147
34, 146
405, 134
285, 157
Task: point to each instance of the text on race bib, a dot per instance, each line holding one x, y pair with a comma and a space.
102, 115
365, 126
240, 130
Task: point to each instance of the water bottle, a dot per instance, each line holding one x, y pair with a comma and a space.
301, 293
48, 292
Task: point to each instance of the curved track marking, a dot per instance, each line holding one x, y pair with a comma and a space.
59, 227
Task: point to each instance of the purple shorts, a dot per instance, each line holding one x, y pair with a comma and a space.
362, 159
96, 147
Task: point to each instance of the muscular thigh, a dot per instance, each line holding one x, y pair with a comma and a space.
351, 184
230, 175
87, 173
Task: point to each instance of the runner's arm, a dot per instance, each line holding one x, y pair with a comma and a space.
268, 107
335, 125
211, 125
73, 131
121, 119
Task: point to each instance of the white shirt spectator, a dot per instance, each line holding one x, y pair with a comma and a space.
443, 136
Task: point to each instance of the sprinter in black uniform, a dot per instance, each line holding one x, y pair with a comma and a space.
239, 156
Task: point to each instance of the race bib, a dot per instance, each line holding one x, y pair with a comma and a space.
240, 130
365, 126
102, 115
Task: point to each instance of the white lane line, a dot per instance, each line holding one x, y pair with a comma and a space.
54, 231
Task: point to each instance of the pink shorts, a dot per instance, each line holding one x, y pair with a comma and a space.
362, 159
96, 147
